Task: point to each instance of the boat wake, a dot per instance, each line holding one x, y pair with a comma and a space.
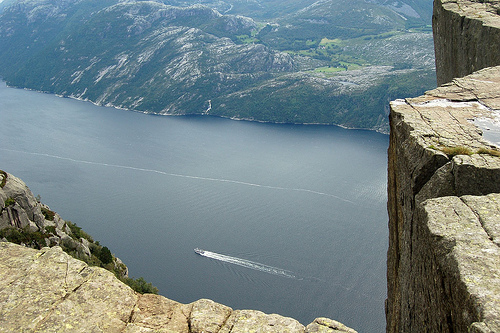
246, 263
220, 180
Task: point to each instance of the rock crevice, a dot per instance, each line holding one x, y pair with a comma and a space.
443, 262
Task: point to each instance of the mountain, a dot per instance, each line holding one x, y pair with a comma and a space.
154, 57
273, 9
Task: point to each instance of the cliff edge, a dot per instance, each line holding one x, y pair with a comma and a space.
466, 37
443, 264
45, 289
49, 291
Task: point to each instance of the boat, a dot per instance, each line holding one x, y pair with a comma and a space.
199, 251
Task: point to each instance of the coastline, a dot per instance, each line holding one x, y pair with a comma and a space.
202, 114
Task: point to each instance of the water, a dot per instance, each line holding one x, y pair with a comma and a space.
246, 263
309, 201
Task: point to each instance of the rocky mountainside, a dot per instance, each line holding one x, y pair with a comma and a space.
25, 220
272, 9
319, 64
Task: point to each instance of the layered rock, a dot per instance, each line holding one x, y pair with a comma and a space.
49, 291
444, 204
25, 220
466, 37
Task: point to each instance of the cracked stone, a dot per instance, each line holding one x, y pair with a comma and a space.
49, 291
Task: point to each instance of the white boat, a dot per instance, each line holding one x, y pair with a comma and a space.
199, 251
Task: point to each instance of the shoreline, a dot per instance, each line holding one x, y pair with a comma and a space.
109, 105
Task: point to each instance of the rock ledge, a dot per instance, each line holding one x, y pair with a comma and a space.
49, 291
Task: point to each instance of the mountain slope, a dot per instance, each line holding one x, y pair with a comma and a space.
152, 57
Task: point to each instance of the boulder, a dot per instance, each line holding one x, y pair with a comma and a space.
326, 325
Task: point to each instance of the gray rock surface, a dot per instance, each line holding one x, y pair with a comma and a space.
466, 37
49, 291
26, 208
443, 263
25, 211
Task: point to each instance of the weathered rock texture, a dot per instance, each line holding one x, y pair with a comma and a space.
25, 220
49, 291
444, 209
466, 37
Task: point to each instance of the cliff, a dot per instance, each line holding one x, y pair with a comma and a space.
466, 37
25, 220
444, 184
48, 290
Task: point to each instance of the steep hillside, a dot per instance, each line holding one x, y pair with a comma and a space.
272, 9
443, 262
157, 58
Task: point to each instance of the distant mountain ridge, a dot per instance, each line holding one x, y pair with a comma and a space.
157, 58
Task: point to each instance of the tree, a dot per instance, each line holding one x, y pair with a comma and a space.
105, 255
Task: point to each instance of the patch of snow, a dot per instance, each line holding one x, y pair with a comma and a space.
398, 101
447, 103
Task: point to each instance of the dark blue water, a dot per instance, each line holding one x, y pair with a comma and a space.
306, 200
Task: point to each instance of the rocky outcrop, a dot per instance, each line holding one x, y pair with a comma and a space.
49, 291
20, 209
25, 220
466, 37
444, 186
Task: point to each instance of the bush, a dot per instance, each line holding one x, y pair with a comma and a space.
140, 285
48, 214
32, 239
104, 255
77, 232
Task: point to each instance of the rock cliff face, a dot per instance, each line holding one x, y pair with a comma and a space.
444, 184
466, 37
24, 220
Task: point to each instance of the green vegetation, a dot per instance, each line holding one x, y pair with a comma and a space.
104, 255
51, 230
140, 285
48, 214
77, 232
34, 239
9, 201
358, 108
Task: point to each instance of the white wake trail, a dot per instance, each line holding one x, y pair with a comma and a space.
221, 180
247, 263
